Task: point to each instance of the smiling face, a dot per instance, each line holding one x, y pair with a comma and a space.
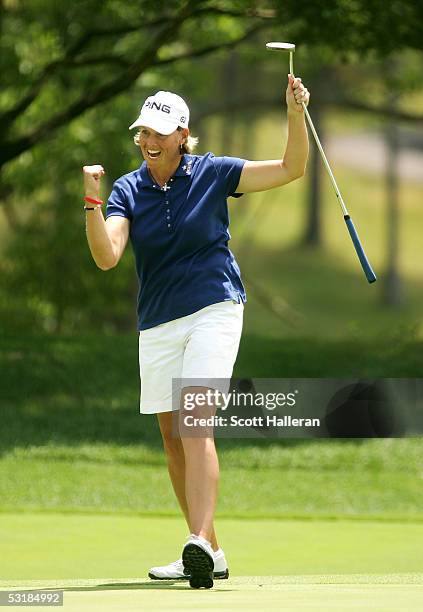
160, 150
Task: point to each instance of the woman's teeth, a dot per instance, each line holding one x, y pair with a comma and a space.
153, 153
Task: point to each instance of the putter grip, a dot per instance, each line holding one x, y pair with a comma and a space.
370, 275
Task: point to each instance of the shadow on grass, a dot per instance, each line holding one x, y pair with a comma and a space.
135, 586
147, 585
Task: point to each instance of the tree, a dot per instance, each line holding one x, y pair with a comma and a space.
55, 66
58, 61
64, 78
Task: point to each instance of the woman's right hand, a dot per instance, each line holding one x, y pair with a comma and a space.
92, 176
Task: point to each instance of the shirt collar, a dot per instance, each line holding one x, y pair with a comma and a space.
184, 169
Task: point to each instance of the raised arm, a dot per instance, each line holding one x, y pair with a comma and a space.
262, 175
106, 238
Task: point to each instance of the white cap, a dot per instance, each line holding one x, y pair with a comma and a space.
163, 112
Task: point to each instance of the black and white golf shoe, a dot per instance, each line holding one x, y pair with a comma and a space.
175, 570
197, 557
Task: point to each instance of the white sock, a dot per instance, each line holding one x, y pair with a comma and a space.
198, 537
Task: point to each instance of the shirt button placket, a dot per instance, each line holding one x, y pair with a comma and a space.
168, 217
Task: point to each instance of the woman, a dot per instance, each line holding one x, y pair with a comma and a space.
190, 303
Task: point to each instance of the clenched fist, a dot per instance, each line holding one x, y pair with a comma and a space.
92, 176
296, 93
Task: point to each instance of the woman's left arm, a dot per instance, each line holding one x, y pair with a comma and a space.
262, 175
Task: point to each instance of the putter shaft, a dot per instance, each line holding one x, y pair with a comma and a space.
365, 264
319, 145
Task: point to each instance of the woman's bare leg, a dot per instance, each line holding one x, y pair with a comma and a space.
201, 471
175, 454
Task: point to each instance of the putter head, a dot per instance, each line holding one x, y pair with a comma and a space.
280, 46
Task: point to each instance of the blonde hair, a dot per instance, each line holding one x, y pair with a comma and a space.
187, 147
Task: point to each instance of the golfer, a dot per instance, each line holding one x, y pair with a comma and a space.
191, 297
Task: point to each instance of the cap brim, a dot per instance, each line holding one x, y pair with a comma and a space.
155, 123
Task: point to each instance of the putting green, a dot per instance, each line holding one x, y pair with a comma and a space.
376, 593
310, 564
52, 546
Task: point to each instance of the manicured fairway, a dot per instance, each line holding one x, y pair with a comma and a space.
376, 593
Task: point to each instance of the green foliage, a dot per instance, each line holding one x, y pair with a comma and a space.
60, 59
73, 75
361, 26
49, 279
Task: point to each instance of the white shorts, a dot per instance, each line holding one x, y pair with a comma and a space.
203, 345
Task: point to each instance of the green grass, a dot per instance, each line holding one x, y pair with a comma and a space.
303, 594
140, 488
64, 546
75, 441
100, 562
83, 478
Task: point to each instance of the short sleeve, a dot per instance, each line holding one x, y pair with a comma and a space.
229, 172
117, 203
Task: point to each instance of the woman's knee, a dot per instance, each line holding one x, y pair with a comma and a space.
198, 447
171, 442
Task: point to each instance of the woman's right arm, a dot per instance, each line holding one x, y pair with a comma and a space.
106, 238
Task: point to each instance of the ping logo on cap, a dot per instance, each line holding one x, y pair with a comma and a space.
163, 112
158, 106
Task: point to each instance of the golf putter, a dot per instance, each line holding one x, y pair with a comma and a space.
367, 268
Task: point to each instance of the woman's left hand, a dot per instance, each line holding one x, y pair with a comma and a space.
296, 93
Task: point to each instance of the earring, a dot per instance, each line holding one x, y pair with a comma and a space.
181, 148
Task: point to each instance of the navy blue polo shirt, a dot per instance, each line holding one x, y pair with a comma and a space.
179, 234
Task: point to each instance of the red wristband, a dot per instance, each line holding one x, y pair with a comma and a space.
93, 200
